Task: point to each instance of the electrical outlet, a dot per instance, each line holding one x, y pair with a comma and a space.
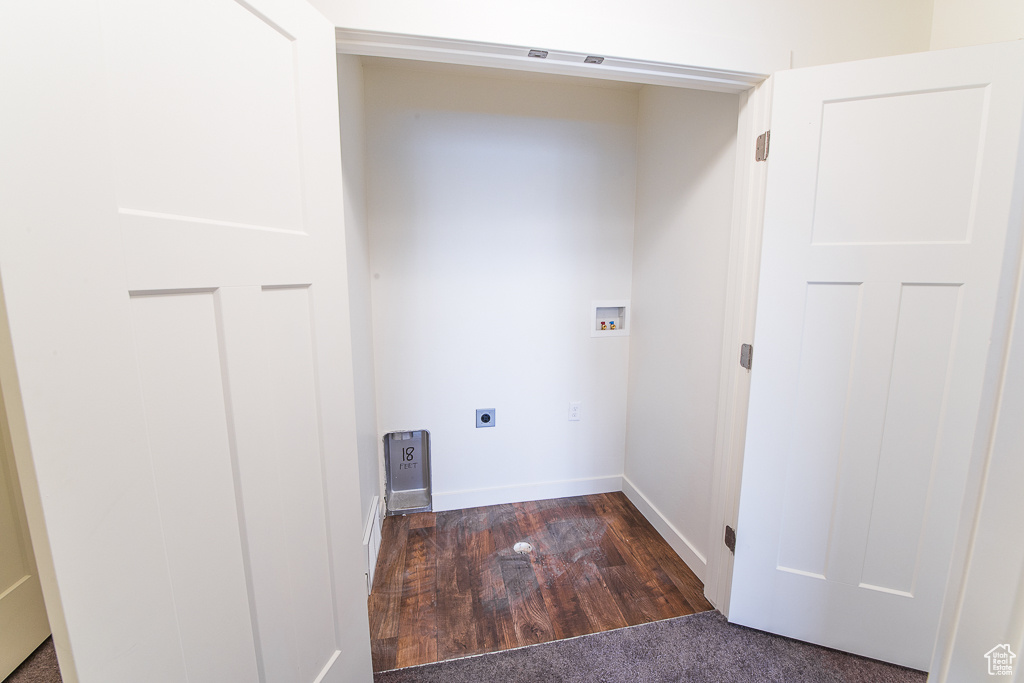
485, 417
574, 411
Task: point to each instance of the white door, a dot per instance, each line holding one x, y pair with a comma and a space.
23, 623
890, 199
172, 260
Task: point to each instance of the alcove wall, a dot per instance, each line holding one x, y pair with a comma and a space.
499, 207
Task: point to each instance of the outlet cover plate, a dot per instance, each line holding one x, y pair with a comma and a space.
484, 417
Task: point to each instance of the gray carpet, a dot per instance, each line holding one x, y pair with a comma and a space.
698, 648
40, 667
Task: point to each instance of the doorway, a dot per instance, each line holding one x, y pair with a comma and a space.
501, 212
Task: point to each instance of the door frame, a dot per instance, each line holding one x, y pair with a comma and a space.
755, 93
749, 193
561, 62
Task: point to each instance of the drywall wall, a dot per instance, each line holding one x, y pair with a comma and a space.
357, 254
744, 35
500, 206
959, 23
685, 164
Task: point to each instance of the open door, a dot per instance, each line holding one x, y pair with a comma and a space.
23, 623
891, 241
172, 262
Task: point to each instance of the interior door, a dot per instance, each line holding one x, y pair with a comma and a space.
23, 623
173, 269
891, 237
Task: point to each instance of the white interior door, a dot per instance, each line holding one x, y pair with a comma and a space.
892, 190
23, 623
173, 266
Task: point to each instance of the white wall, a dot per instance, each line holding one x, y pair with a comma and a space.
685, 163
746, 35
959, 23
350, 95
499, 208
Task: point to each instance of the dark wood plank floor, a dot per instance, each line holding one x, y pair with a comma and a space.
448, 584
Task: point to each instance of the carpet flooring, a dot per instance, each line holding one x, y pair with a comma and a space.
700, 648
40, 667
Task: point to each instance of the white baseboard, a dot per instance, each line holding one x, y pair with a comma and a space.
371, 541
459, 500
693, 559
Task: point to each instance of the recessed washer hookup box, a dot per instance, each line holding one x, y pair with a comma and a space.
407, 470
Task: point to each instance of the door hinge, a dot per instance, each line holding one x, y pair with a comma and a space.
730, 539
747, 356
761, 149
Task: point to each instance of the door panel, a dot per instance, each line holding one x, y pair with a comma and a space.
176, 297
926, 192
189, 451
917, 395
170, 123
832, 315
890, 196
271, 364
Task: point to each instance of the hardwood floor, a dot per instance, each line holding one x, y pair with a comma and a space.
448, 584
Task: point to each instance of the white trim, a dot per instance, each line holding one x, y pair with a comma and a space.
475, 53
371, 516
328, 670
372, 541
460, 500
693, 558
740, 305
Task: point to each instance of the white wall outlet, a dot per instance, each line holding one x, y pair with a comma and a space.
574, 411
